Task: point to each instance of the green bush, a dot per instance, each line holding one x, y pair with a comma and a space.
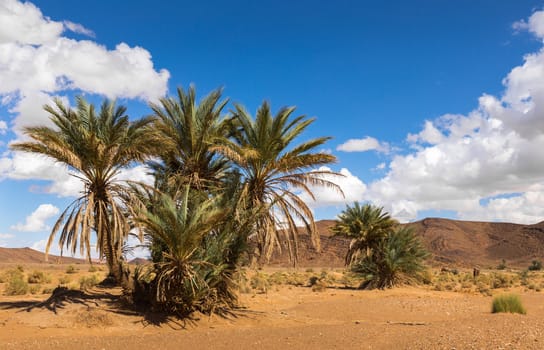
259, 282
10, 274
88, 282
536, 265
71, 269
64, 280
501, 280
38, 277
508, 303
16, 285
34, 289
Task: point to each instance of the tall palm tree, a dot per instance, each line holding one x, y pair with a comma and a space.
95, 147
186, 132
366, 225
276, 173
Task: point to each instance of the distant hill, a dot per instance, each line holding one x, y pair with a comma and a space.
451, 242
481, 243
31, 256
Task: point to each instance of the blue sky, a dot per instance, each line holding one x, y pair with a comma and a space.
441, 100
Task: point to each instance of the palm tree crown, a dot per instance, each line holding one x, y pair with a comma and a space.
95, 147
276, 172
366, 225
186, 132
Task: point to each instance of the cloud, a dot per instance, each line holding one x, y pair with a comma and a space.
24, 23
362, 145
535, 24
35, 222
471, 164
430, 134
78, 28
38, 63
27, 166
354, 190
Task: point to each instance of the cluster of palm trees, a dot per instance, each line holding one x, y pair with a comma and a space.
380, 249
221, 179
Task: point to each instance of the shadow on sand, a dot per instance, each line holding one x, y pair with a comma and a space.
62, 297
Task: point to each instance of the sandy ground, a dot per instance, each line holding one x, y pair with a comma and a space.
285, 318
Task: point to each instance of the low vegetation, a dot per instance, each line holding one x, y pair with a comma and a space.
508, 303
15, 283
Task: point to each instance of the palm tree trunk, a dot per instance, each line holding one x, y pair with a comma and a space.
118, 269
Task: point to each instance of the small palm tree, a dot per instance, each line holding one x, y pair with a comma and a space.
275, 173
181, 226
186, 134
95, 147
202, 241
366, 225
397, 258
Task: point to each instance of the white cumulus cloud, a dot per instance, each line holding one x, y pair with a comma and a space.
352, 187
36, 221
362, 145
38, 63
485, 165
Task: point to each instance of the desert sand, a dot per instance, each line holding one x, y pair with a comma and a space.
285, 317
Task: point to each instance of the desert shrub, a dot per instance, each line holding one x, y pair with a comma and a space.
524, 277
37, 277
34, 289
16, 284
501, 280
71, 269
20, 268
502, 265
536, 265
259, 282
426, 276
296, 279
11, 274
65, 279
507, 303
466, 284
327, 278
398, 258
93, 268
319, 285
277, 278
88, 282
48, 290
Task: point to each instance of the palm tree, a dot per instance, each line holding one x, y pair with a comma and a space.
95, 148
202, 240
366, 225
186, 134
397, 258
275, 173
